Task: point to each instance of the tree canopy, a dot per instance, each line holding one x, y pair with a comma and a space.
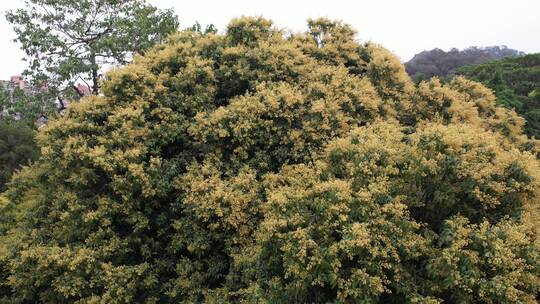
264, 166
516, 82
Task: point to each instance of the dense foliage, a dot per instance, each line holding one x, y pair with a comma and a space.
17, 148
20, 104
443, 64
516, 82
258, 166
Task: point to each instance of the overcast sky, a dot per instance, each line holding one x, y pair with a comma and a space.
404, 27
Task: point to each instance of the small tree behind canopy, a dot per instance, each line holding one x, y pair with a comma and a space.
70, 41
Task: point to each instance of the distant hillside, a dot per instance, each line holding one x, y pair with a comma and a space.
516, 82
443, 64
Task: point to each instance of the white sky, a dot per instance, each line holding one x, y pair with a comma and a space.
405, 27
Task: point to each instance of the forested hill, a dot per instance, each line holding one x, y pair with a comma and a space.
516, 82
440, 63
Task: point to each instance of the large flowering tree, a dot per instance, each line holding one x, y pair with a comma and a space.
263, 166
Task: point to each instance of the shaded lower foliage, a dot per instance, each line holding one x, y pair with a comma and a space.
17, 148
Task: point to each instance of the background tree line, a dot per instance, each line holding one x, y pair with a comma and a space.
516, 82
440, 63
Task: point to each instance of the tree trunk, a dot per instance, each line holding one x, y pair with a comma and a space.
62, 106
95, 85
